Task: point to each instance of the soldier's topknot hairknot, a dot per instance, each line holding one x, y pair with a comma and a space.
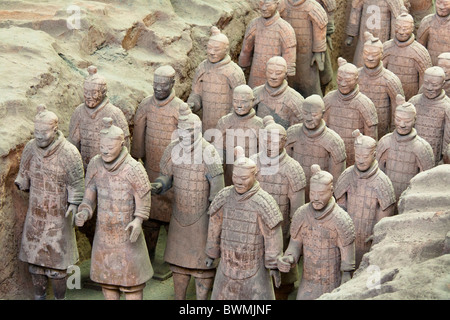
215, 31
92, 70
341, 61
239, 153
41, 108
356, 133
184, 110
267, 120
107, 122
315, 168
399, 99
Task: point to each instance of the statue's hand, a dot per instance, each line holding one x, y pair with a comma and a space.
209, 261
319, 58
73, 209
349, 41
156, 187
284, 263
81, 217
136, 228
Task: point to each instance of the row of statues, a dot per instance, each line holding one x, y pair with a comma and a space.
272, 171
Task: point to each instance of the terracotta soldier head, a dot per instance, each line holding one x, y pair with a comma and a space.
443, 8
218, 45
274, 137
276, 71
112, 140
405, 116
365, 151
189, 126
244, 171
268, 8
95, 88
243, 99
433, 82
347, 76
321, 187
372, 51
45, 127
404, 26
163, 82
313, 109
444, 63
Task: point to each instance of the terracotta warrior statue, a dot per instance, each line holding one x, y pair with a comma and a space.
433, 112
365, 192
283, 178
378, 83
214, 81
155, 122
275, 98
51, 170
325, 267
267, 36
347, 109
119, 186
312, 142
406, 57
402, 154
86, 121
245, 233
192, 167
309, 21
238, 128
433, 30
444, 63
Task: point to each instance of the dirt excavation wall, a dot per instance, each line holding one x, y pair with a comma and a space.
45, 50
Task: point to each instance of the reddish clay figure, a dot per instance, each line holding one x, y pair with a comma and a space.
119, 185
283, 178
324, 234
379, 84
267, 36
433, 112
86, 120
419, 9
376, 16
444, 63
406, 57
155, 122
347, 109
365, 192
275, 98
52, 171
433, 32
214, 81
245, 233
402, 154
238, 128
309, 21
312, 142
192, 167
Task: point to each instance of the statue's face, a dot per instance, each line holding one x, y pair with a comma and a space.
268, 8
443, 8
372, 56
110, 148
432, 86
404, 122
312, 115
44, 134
364, 157
273, 143
188, 135
242, 103
346, 82
216, 51
275, 75
445, 65
319, 195
243, 179
162, 87
403, 30
93, 96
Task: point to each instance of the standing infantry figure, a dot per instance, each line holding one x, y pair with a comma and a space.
377, 17
406, 57
120, 186
51, 169
402, 154
379, 84
324, 234
309, 21
312, 142
267, 36
275, 98
193, 168
245, 233
433, 112
365, 192
155, 122
214, 81
347, 109
433, 31
444, 63
283, 178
